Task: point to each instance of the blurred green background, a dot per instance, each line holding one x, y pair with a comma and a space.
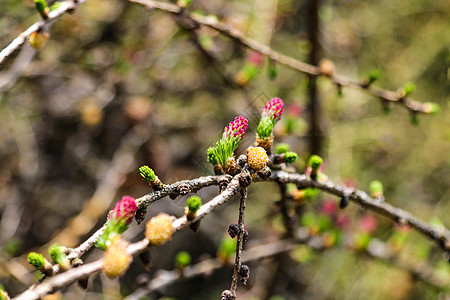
117, 87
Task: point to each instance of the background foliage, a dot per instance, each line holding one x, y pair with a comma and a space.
114, 78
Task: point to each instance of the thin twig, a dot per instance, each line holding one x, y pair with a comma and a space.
64, 7
240, 242
441, 237
287, 212
142, 202
339, 80
379, 251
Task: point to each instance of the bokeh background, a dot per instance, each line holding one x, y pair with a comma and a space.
118, 86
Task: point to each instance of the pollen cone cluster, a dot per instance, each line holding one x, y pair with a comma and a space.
256, 158
159, 229
116, 260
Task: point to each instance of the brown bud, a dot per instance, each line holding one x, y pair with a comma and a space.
233, 230
327, 67
245, 180
140, 215
244, 272
146, 259
227, 295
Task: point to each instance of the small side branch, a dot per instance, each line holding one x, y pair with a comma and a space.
238, 36
441, 237
64, 7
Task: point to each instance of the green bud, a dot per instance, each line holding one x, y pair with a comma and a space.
281, 148
3, 293
315, 161
55, 5
361, 240
184, 3
36, 260
147, 173
206, 41
41, 7
211, 156
272, 71
376, 188
311, 193
182, 260
290, 157
309, 219
227, 247
373, 75
193, 204
57, 254
409, 88
437, 223
415, 121
431, 108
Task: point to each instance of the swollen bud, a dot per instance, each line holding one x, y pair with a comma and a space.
327, 67
59, 257
314, 162
182, 260
290, 157
373, 76
149, 175
409, 88
184, 3
42, 8
227, 248
193, 204
406, 90
40, 263
431, 108
36, 260
38, 39
281, 148
376, 189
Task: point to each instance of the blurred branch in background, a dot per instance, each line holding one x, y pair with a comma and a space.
260, 251
64, 7
397, 97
